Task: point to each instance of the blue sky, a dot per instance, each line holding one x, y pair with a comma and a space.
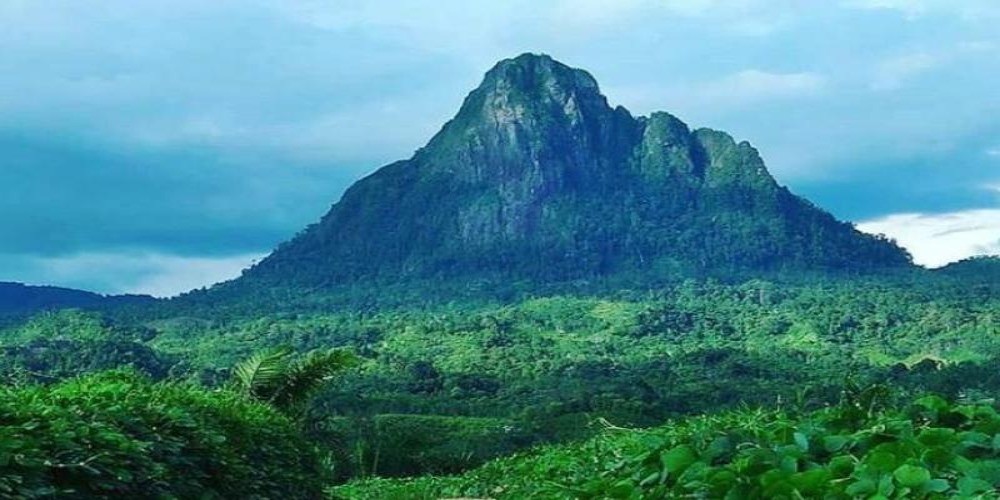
156, 146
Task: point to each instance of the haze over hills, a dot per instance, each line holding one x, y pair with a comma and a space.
538, 178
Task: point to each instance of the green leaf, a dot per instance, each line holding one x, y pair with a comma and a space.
885, 486
841, 466
912, 475
861, 487
936, 436
810, 481
677, 459
802, 441
789, 465
772, 477
650, 478
719, 447
834, 444
722, 479
261, 371
937, 486
303, 377
621, 489
934, 403
287, 384
939, 457
970, 486
882, 461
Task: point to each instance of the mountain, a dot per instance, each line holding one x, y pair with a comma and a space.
538, 178
17, 298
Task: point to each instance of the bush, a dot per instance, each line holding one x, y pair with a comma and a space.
119, 435
929, 449
421, 444
408, 445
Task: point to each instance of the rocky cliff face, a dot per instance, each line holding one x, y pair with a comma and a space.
538, 178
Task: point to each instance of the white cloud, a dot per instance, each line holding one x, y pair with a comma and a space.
324, 137
490, 19
749, 18
938, 239
600, 11
910, 8
993, 152
154, 274
892, 73
754, 84
742, 88
914, 9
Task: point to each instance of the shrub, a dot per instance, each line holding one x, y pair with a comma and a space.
930, 449
407, 445
119, 435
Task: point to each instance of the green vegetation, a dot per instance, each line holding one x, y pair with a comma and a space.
930, 449
286, 383
119, 435
443, 389
57, 345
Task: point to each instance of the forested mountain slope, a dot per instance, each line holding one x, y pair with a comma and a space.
538, 178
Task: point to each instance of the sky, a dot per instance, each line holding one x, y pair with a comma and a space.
157, 146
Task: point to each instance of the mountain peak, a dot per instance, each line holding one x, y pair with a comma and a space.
533, 87
538, 73
531, 117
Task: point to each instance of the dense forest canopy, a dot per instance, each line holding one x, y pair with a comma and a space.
450, 386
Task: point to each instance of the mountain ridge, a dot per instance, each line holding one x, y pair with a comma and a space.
17, 298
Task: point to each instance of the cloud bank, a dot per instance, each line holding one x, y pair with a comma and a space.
939, 239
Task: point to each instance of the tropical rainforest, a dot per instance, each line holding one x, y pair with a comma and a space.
552, 299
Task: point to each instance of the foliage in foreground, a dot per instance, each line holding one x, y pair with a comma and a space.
118, 435
930, 449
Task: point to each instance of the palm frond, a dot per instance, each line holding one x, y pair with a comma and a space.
286, 383
308, 374
262, 371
